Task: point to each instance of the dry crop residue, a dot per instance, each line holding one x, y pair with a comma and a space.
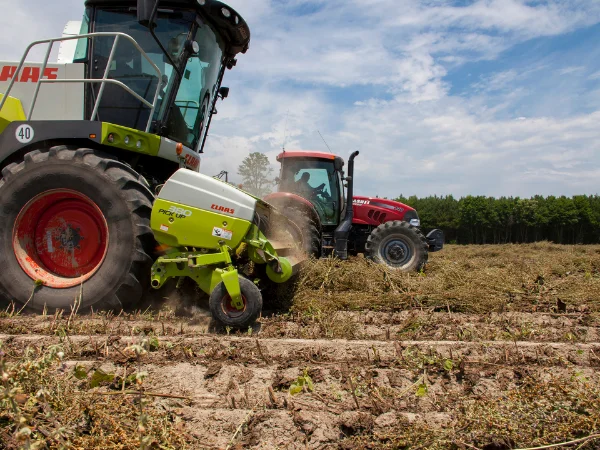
492, 347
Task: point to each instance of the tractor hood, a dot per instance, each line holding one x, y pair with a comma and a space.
373, 211
382, 203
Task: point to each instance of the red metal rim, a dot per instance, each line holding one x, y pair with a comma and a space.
60, 237
229, 309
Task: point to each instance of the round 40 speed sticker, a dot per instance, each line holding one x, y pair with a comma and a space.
24, 134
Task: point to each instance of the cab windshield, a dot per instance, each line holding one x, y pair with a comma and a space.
316, 181
187, 116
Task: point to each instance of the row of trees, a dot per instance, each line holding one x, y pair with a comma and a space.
486, 220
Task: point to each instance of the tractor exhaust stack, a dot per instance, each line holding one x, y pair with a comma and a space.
343, 230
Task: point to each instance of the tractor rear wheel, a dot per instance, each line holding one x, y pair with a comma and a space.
311, 237
74, 224
398, 245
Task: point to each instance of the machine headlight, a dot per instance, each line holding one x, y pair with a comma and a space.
415, 222
191, 47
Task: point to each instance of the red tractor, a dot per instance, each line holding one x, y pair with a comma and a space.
311, 193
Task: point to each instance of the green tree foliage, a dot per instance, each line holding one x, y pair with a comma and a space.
487, 220
255, 171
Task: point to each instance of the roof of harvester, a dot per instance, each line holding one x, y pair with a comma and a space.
232, 26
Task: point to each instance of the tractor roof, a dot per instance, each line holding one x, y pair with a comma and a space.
234, 29
306, 154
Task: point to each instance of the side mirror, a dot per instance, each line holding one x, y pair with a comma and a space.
338, 164
145, 11
223, 92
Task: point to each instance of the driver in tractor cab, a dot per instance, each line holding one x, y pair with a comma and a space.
303, 187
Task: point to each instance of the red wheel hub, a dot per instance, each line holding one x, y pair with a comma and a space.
230, 309
60, 237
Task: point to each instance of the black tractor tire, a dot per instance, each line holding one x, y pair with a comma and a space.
398, 245
120, 196
311, 236
222, 311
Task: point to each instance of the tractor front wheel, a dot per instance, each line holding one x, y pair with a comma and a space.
74, 226
224, 311
398, 245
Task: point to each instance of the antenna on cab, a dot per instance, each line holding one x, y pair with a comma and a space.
324, 141
285, 130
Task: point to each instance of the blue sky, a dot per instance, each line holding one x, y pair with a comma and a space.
492, 97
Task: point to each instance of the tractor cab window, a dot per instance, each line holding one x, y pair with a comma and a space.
317, 181
187, 115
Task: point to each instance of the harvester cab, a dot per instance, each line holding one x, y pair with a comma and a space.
153, 66
311, 191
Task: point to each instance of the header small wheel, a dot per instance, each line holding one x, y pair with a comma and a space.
224, 311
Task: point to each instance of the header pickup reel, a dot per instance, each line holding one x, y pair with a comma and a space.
216, 235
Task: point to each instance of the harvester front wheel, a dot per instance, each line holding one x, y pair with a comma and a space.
398, 245
74, 226
224, 311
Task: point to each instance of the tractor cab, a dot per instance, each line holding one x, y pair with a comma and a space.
316, 177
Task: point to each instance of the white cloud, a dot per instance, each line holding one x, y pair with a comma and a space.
24, 22
594, 76
497, 81
571, 70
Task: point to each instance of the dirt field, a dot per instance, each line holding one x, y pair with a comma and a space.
493, 347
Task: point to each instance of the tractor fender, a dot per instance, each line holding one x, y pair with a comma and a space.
375, 211
22, 137
42, 133
283, 200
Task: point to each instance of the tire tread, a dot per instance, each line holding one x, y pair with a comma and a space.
134, 192
382, 231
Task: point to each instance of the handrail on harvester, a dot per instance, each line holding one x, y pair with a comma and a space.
104, 80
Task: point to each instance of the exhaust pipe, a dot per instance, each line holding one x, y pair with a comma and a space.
343, 230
